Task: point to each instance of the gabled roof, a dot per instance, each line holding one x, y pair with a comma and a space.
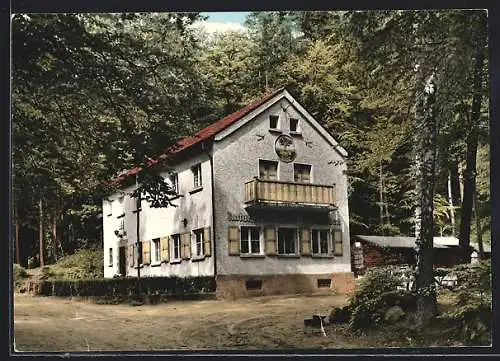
204, 134
409, 242
394, 241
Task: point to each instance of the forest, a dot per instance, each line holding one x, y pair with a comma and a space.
96, 94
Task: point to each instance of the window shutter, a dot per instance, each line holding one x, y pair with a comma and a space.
337, 242
186, 245
146, 252
233, 240
270, 241
164, 244
305, 241
131, 255
134, 255
207, 244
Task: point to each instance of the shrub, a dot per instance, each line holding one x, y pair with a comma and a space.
18, 273
369, 303
471, 301
33, 262
118, 287
83, 264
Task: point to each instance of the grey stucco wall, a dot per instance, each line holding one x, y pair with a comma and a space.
236, 162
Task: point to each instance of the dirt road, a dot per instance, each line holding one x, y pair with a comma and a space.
55, 324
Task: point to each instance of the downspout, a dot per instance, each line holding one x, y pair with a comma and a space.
211, 158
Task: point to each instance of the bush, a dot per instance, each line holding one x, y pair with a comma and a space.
471, 302
83, 264
120, 287
18, 273
371, 300
33, 262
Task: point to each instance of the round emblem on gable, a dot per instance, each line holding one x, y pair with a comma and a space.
285, 148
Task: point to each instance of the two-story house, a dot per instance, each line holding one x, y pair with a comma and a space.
262, 207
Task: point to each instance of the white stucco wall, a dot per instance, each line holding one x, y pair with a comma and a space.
236, 162
162, 222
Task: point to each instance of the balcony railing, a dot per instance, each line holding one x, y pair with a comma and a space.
271, 191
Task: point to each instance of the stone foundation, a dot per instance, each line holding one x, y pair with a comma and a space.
234, 286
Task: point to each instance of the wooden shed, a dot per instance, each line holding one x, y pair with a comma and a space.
373, 251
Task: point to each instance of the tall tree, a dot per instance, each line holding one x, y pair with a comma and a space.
472, 138
425, 162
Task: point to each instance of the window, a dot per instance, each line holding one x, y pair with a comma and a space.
273, 121
250, 240
294, 125
120, 206
108, 208
137, 203
110, 257
319, 241
324, 282
176, 246
268, 169
173, 181
287, 239
156, 250
198, 235
253, 284
302, 173
197, 176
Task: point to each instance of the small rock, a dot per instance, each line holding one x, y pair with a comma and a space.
393, 314
101, 302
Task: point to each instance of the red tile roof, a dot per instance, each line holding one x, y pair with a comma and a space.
204, 134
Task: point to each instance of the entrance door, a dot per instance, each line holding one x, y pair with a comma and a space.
122, 260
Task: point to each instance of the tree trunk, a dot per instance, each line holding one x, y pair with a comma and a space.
54, 235
381, 194
452, 208
425, 152
472, 140
40, 232
478, 227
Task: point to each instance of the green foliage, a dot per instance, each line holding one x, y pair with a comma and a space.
471, 302
124, 287
18, 273
368, 304
33, 262
83, 264
387, 230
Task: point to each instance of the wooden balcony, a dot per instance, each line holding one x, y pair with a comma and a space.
280, 194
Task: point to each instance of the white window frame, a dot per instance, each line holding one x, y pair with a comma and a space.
310, 172
199, 240
295, 241
156, 250
176, 238
108, 208
248, 239
270, 161
110, 257
277, 121
328, 241
297, 129
197, 178
174, 182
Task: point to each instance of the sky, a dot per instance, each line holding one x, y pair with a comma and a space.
223, 21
